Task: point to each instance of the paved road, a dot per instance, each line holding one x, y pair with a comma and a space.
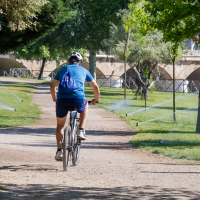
109, 167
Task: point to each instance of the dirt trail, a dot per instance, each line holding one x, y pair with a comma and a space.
109, 167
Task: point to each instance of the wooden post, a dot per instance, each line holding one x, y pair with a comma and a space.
145, 96
174, 90
198, 117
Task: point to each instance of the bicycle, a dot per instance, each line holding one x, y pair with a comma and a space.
71, 143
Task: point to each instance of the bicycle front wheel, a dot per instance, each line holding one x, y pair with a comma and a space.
77, 145
67, 151
75, 157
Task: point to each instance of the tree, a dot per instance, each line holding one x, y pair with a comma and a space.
144, 54
178, 20
130, 26
89, 27
52, 14
145, 51
37, 51
20, 14
34, 53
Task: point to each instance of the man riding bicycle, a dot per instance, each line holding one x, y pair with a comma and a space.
75, 99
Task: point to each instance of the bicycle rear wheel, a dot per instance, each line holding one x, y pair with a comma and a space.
67, 151
77, 145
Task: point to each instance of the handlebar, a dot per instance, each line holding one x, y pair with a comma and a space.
89, 102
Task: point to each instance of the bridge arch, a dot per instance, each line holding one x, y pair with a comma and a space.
131, 73
6, 64
166, 74
194, 75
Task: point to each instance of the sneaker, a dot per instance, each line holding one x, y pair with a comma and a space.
82, 135
59, 156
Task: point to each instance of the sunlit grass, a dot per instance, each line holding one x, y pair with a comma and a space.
2, 188
26, 112
180, 140
30, 79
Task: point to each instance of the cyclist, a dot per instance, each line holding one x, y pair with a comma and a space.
75, 99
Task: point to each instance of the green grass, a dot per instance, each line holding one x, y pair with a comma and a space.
26, 112
1, 188
31, 79
181, 141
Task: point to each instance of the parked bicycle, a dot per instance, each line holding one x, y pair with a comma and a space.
71, 143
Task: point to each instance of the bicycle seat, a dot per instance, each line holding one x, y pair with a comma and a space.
69, 108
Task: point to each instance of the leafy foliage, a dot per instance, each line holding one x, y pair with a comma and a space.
143, 49
37, 51
20, 14
52, 14
178, 20
89, 26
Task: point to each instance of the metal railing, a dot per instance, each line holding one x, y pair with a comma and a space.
113, 81
22, 72
3, 73
26, 73
47, 75
191, 44
183, 86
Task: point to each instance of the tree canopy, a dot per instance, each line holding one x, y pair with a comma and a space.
51, 15
38, 51
20, 14
88, 27
179, 20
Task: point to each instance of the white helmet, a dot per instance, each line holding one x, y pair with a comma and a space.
75, 57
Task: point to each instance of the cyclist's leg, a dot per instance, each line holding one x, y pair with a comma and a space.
61, 117
60, 130
82, 108
83, 117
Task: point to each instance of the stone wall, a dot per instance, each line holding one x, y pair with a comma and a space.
187, 68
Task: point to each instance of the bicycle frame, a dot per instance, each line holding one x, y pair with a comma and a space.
73, 144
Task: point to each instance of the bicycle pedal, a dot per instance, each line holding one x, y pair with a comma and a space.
58, 159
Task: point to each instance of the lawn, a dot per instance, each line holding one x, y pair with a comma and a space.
26, 112
178, 140
31, 79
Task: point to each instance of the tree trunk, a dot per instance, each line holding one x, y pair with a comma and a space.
139, 66
174, 90
125, 81
92, 63
42, 68
198, 117
125, 58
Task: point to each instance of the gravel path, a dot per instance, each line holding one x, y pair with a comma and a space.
109, 168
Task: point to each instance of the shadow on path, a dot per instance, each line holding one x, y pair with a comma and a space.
46, 132
50, 192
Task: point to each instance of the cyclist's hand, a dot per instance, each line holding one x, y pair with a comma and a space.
94, 101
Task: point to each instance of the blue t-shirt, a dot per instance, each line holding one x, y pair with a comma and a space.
80, 74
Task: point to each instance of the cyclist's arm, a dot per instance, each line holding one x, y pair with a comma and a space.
53, 85
96, 91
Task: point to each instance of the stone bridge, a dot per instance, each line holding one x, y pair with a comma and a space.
187, 68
